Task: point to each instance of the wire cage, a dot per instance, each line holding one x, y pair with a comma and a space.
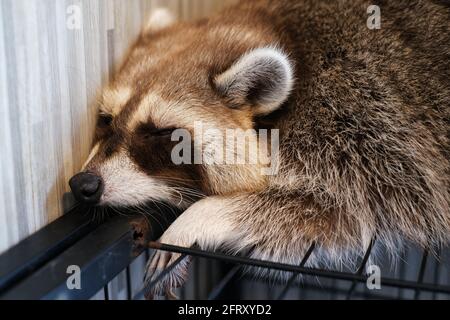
111, 256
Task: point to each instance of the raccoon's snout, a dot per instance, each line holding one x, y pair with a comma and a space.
86, 187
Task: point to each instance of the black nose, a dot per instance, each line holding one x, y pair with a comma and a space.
86, 187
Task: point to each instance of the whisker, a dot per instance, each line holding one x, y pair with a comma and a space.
145, 212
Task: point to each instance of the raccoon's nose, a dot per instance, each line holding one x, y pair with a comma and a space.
86, 187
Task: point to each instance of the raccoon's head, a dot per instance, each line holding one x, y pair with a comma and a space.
174, 79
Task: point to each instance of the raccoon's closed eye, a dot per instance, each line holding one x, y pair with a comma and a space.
104, 120
163, 132
155, 132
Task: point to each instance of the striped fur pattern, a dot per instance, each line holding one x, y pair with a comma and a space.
364, 120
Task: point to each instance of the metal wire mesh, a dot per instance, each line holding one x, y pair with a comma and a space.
430, 282
110, 272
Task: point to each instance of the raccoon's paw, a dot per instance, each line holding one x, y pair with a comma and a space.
165, 272
204, 224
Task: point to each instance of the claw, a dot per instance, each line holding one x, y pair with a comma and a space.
170, 295
159, 262
148, 269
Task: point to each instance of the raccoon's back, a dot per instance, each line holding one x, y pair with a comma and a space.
368, 126
363, 88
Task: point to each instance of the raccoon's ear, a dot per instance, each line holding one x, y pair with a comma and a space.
262, 78
159, 19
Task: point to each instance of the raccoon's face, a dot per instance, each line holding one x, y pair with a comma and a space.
168, 84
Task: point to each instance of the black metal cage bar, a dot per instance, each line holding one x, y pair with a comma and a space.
36, 268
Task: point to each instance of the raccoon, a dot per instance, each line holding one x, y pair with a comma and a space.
364, 127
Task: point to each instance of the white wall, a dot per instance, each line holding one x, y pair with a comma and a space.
49, 75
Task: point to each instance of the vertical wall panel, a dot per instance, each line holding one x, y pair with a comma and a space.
49, 77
